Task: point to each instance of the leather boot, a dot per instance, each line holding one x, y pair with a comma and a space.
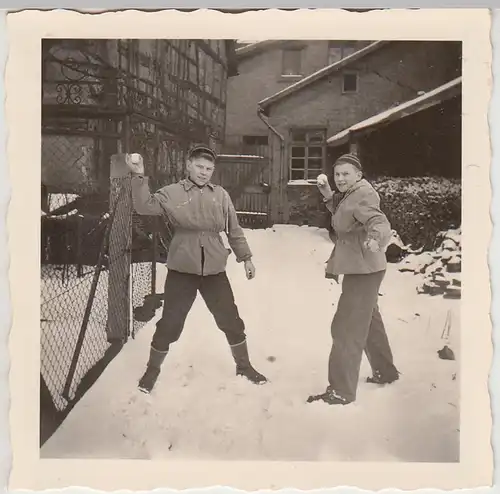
379, 378
243, 366
330, 397
148, 380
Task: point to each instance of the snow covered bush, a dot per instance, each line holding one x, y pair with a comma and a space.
441, 268
419, 208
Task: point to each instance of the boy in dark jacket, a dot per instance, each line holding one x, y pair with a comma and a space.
199, 211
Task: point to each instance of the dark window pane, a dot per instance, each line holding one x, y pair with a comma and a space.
297, 175
315, 163
255, 140
298, 136
350, 83
312, 173
315, 152
298, 163
298, 152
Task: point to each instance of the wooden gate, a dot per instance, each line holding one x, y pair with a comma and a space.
247, 180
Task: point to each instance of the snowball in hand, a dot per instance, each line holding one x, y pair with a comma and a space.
135, 158
322, 179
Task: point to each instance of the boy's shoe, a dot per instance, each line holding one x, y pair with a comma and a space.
251, 374
329, 397
378, 378
243, 366
148, 380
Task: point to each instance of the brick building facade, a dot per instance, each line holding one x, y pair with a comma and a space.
303, 115
265, 68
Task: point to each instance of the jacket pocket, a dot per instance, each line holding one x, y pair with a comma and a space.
221, 243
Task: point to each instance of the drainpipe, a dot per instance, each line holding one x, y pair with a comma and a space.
260, 114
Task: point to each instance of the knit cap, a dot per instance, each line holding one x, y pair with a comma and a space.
351, 159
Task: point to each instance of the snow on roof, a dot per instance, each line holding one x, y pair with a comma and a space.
255, 47
422, 102
322, 73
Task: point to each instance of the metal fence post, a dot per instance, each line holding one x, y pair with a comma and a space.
86, 317
120, 245
155, 220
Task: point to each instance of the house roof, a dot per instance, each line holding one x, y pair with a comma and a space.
324, 72
427, 100
254, 48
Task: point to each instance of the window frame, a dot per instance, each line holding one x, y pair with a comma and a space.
343, 48
306, 145
350, 73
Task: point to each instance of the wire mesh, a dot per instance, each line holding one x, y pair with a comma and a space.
71, 245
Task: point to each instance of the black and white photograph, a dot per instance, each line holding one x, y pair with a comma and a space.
251, 249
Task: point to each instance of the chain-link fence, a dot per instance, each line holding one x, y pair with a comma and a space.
73, 276
73, 224
98, 272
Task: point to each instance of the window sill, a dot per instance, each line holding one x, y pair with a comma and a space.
302, 182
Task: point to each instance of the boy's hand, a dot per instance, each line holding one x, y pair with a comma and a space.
249, 270
324, 186
372, 245
135, 163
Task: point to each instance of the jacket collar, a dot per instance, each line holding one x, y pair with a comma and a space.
361, 183
358, 185
189, 184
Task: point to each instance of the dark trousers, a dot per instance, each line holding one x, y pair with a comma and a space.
356, 327
180, 293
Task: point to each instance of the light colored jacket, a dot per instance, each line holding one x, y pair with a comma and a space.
355, 219
199, 216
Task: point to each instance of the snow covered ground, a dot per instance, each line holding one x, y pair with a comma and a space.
201, 410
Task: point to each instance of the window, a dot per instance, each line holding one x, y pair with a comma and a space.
350, 82
255, 140
337, 52
256, 145
292, 62
307, 154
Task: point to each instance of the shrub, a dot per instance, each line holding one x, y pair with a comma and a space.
419, 208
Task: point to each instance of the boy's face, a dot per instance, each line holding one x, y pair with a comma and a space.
200, 170
346, 175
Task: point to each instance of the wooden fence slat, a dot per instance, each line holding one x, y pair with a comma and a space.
244, 178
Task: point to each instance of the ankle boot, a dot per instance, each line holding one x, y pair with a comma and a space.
148, 380
330, 397
243, 366
380, 378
